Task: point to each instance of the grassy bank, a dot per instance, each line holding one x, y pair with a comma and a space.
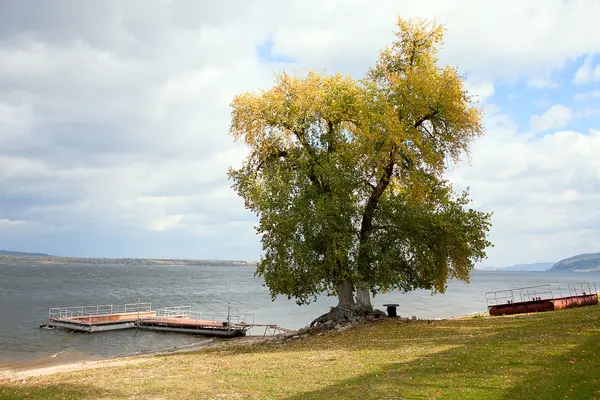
546, 356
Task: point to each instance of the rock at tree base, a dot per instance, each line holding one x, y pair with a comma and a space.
338, 317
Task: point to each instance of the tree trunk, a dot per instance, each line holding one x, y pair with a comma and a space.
363, 300
345, 294
347, 310
366, 226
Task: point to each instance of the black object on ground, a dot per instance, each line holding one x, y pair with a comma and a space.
391, 309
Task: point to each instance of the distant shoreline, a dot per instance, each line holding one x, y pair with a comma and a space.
28, 259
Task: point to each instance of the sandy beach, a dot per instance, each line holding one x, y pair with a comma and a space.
34, 369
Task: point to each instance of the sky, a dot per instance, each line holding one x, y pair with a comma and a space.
114, 117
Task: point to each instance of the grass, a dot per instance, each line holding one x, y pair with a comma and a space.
552, 355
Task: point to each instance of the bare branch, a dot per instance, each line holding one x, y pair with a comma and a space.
426, 117
370, 184
277, 154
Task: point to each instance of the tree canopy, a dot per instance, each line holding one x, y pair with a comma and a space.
347, 176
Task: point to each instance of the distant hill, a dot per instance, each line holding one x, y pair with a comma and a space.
581, 262
23, 254
542, 266
18, 257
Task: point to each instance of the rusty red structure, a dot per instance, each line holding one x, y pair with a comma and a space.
541, 298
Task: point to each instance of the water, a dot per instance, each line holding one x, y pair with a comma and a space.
26, 293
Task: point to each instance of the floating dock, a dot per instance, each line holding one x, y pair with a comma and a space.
99, 318
541, 298
181, 319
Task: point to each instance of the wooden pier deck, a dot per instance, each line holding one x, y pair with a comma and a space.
541, 298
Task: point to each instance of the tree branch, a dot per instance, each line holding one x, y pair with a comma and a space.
370, 184
330, 137
277, 154
408, 162
384, 180
425, 117
367, 220
430, 134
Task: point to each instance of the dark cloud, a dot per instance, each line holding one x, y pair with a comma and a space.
60, 21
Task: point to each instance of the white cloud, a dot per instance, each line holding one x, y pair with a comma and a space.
542, 103
556, 117
513, 39
168, 222
543, 82
481, 90
161, 200
588, 112
587, 72
544, 192
114, 117
584, 96
7, 222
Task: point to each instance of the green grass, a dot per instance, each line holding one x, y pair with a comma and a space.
552, 355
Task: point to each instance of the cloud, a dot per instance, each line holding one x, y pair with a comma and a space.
481, 90
168, 222
557, 116
588, 95
543, 82
114, 115
8, 222
587, 72
543, 191
526, 49
266, 54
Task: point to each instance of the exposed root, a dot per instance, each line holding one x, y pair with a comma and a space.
339, 316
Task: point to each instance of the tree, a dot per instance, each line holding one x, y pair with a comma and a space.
346, 176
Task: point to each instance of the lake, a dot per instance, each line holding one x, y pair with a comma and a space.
27, 291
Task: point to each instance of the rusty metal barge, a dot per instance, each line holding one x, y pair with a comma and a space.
541, 298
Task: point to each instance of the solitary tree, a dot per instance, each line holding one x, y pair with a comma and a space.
346, 176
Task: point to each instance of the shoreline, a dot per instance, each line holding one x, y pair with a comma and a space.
33, 369
36, 368
477, 357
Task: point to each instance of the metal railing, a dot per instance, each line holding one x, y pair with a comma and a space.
174, 312
103, 313
97, 311
238, 319
186, 312
541, 292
